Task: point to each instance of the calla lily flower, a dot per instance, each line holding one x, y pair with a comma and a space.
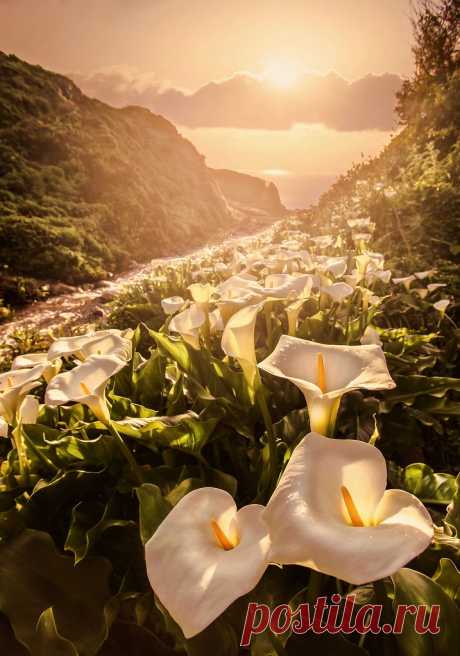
338, 291
421, 275
292, 313
406, 281
335, 265
14, 385
86, 384
205, 555
216, 323
435, 285
3, 427
421, 291
188, 324
369, 261
442, 305
359, 223
29, 360
102, 342
324, 241
28, 411
371, 336
172, 304
238, 340
331, 512
324, 373
202, 293
285, 285
382, 275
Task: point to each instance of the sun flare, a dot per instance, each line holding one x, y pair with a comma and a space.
281, 73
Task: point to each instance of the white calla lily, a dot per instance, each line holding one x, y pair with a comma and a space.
371, 336
4, 426
406, 281
292, 313
335, 265
28, 411
442, 305
202, 293
432, 287
421, 275
29, 360
338, 291
14, 385
382, 275
172, 304
330, 512
101, 342
238, 340
205, 555
188, 324
325, 372
86, 384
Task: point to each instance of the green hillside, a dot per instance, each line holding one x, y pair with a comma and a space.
85, 188
412, 190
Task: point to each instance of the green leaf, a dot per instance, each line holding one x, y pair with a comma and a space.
48, 640
412, 587
448, 577
87, 525
188, 432
453, 510
153, 508
34, 577
409, 387
419, 479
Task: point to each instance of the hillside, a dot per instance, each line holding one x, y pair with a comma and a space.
412, 190
247, 193
86, 189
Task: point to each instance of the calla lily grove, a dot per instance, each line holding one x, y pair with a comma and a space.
262, 435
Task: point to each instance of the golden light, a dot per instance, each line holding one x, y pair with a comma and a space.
281, 73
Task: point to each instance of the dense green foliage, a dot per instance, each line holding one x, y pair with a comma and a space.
86, 188
419, 224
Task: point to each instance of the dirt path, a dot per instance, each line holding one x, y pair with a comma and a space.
87, 305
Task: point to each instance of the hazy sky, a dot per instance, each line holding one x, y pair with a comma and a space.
295, 87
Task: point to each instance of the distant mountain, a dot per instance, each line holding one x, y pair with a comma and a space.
246, 193
86, 188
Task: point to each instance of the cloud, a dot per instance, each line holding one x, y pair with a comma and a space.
248, 101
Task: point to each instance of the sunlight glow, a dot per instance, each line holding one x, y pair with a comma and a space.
281, 73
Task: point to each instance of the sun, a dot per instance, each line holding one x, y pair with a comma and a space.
281, 73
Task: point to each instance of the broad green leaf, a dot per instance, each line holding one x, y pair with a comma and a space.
153, 508
188, 432
419, 479
453, 509
448, 577
323, 645
412, 587
87, 525
48, 640
35, 577
409, 387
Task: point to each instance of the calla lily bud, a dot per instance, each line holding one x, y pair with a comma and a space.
330, 512
238, 340
204, 555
